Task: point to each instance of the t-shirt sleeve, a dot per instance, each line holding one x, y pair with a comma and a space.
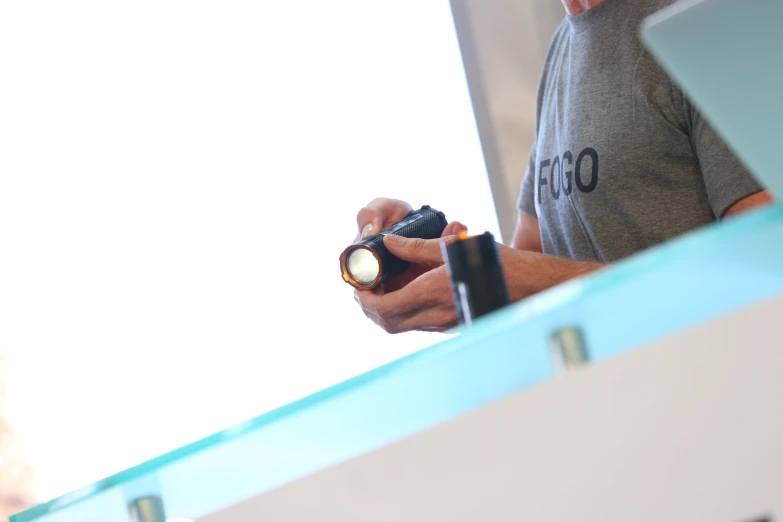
726, 178
526, 201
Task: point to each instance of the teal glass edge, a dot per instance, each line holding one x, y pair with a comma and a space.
762, 226
729, 59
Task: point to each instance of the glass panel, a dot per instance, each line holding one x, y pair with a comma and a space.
736, 46
675, 286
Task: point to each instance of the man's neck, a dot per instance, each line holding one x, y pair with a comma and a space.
575, 7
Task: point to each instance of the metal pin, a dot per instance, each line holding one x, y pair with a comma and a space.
567, 349
147, 509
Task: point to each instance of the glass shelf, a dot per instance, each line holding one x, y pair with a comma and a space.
675, 286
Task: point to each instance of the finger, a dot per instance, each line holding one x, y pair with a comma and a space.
416, 250
454, 228
437, 311
369, 221
389, 305
374, 309
379, 213
429, 290
394, 283
431, 320
426, 304
365, 300
397, 282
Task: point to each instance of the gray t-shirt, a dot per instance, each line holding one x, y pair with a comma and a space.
622, 161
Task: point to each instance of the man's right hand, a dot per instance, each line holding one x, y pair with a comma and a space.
381, 213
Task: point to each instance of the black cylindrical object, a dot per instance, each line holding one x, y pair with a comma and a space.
477, 278
366, 263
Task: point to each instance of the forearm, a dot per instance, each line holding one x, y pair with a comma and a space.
532, 272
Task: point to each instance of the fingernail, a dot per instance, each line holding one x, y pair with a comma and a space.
393, 239
366, 230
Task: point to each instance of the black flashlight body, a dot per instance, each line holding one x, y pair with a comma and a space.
477, 279
424, 223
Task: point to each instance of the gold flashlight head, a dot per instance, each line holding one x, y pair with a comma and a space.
361, 266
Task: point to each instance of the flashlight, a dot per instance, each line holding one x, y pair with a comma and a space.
477, 280
366, 263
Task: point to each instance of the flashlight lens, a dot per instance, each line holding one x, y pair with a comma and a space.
362, 266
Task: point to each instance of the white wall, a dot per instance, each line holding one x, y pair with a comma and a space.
504, 43
177, 180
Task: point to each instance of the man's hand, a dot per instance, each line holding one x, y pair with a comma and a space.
426, 303
381, 213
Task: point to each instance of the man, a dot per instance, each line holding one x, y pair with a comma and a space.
622, 161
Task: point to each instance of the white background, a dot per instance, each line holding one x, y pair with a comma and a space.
177, 180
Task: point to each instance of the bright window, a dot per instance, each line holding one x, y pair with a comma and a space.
177, 180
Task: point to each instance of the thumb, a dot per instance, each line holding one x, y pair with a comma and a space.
453, 229
370, 221
416, 250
